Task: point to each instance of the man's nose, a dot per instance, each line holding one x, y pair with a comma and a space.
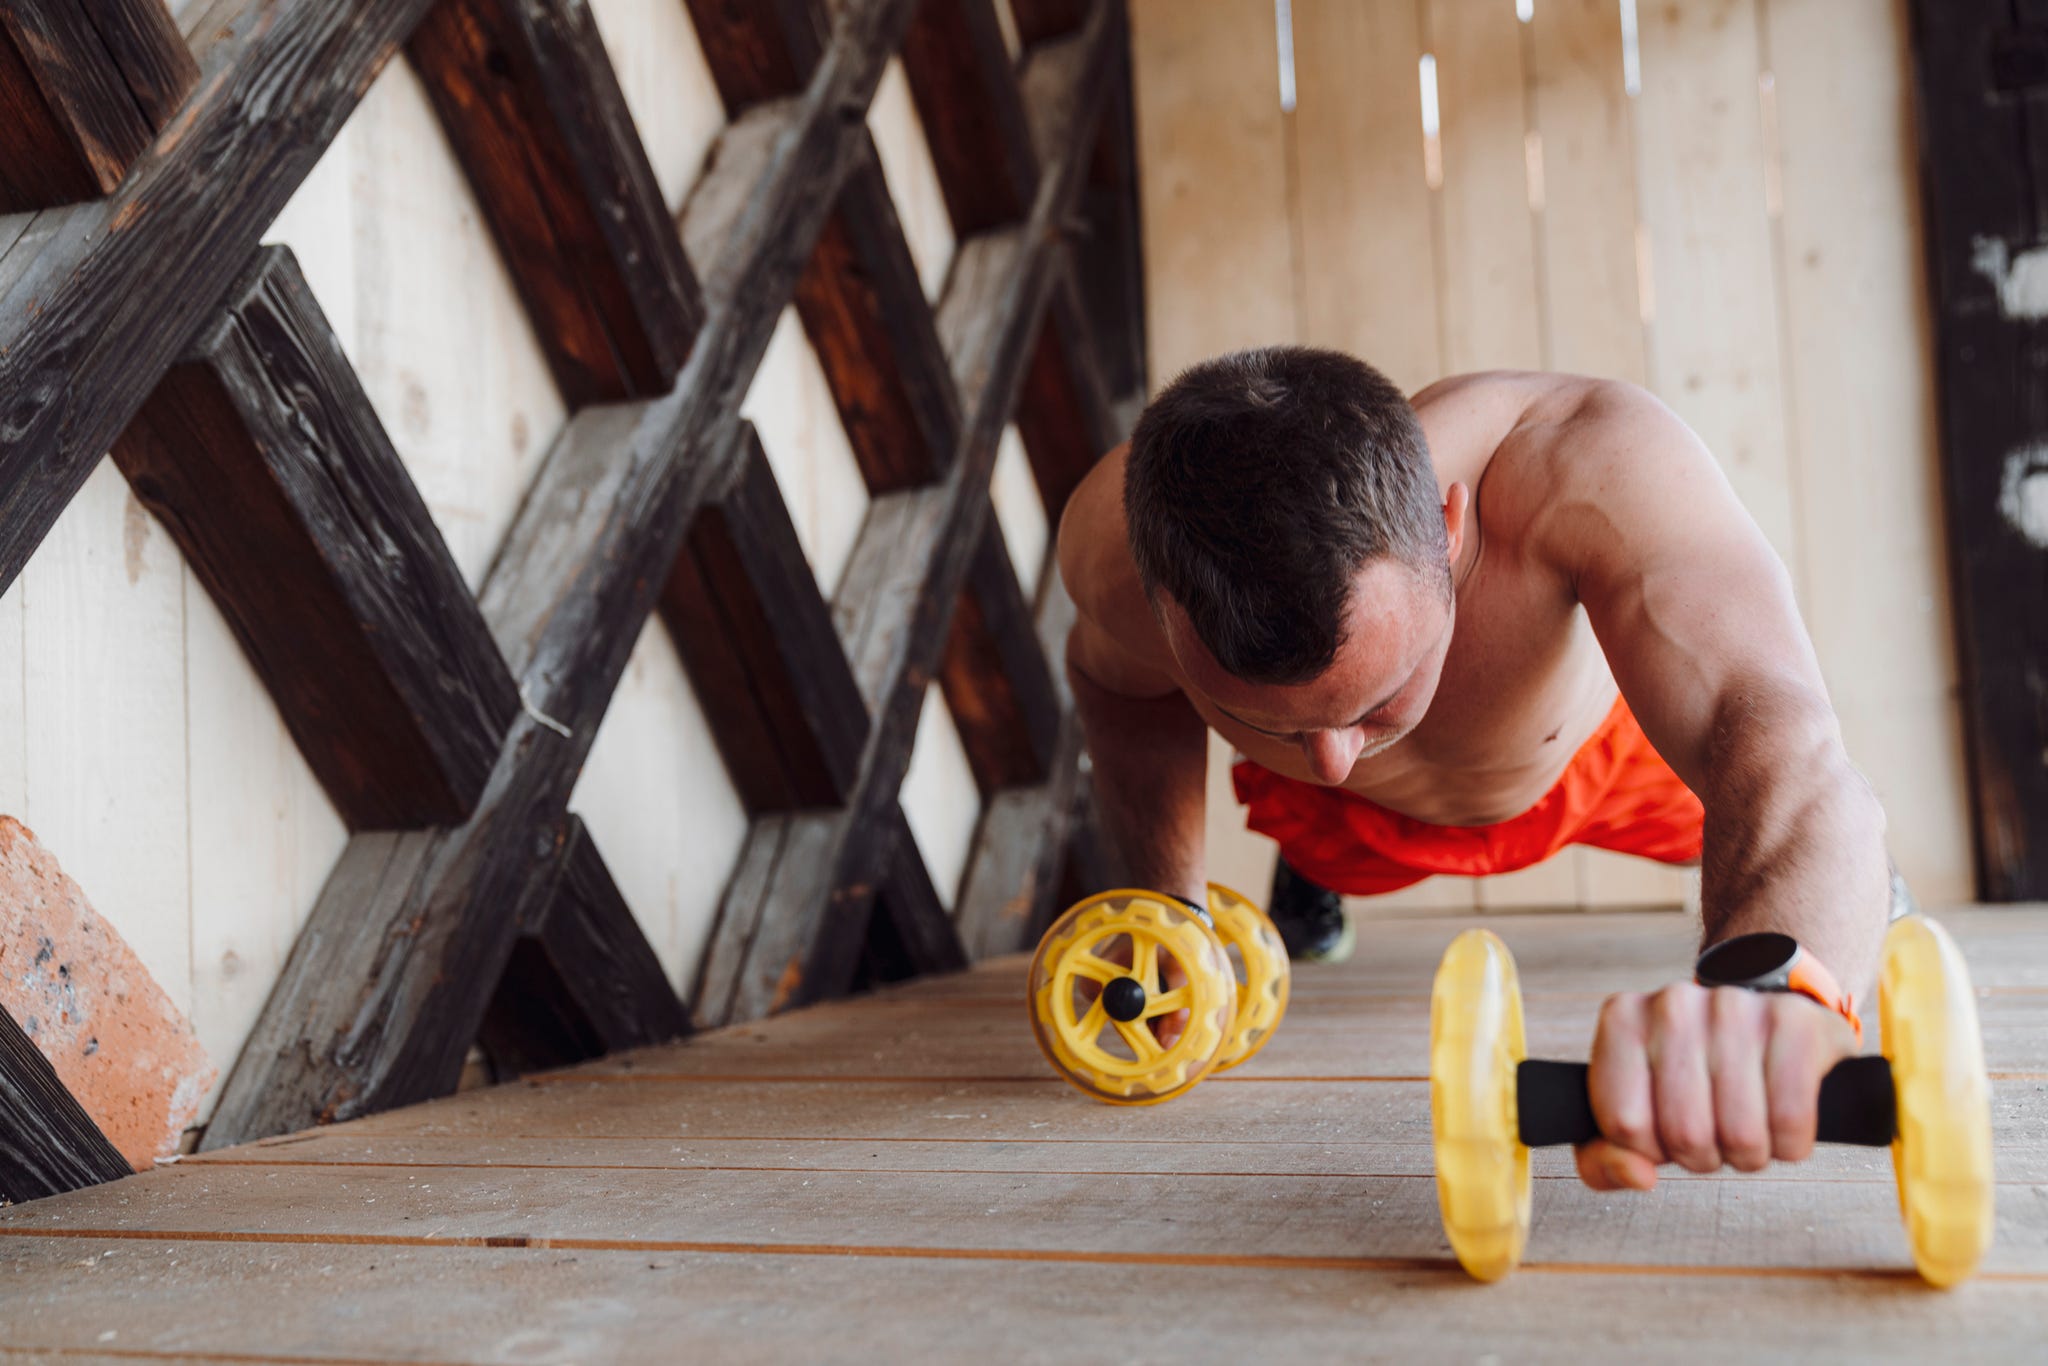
1331, 753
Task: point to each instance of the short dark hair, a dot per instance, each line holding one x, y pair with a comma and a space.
1259, 483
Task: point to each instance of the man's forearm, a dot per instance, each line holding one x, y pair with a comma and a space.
1150, 760
1794, 836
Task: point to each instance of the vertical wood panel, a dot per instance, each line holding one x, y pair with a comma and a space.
791, 405
938, 797
913, 180
1368, 247
1217, 248
263, 835
105, 698
667, 85
1859, 360
1219, 262
1714, 352
13, 705
658, 801
1592, 315
1490, 306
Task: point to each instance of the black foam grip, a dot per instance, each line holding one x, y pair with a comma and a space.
1857, 1103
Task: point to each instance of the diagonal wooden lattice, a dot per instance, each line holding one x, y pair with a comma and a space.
449, 730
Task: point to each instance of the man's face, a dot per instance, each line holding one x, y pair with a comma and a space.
1398, 630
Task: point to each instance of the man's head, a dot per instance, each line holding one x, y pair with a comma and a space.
1288, 528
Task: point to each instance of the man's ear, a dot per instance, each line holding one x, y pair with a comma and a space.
1457, 508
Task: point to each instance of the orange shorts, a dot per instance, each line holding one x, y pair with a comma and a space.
1617, 793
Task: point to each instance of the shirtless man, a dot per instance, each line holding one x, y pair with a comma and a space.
1412, 618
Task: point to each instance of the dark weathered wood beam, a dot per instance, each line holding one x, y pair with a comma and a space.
994, 674
974, 122
1109, 254
910, 933
85, 87
1985, 188
1034, 847
759, 50
789, 932
390, 981
261, 454
583, 981
1038, 20
1064, 418
48, 1143
756, 638
534, 111
864, 310
98, 299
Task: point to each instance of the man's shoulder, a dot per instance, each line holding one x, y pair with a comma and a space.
1095, 555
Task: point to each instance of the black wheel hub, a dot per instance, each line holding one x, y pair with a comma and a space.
1124, 999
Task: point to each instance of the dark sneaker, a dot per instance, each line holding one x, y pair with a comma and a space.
1310, 919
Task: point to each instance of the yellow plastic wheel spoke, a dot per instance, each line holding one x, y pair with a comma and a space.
1091, 1023
1167, 1002
1141, 1040
1145, 965
1093, 968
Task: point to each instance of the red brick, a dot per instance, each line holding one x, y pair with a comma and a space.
80, 992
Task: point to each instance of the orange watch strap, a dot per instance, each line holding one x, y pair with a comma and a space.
1810, 978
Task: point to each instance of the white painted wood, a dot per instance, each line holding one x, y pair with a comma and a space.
791, 406
1859, 361
104, 700
1363, 207
912, 179
1019, 510
13, 704
657, 800
939, 799
263, 835
438, 334
668, 87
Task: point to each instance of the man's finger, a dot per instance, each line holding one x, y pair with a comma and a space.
1680, 1087
1805, 1041
1606, 1167
1738, 1025
1618, 1079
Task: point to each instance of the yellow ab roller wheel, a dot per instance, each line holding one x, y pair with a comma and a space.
1927, 1098
1259, 961
1132, 997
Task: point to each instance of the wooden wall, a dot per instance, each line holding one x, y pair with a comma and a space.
144, 752
1714, 198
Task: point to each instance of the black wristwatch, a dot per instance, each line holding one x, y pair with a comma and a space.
1767, 961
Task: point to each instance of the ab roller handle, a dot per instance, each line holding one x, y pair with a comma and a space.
1927, 1098
1858, 1103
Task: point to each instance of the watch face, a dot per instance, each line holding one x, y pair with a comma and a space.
1747, 959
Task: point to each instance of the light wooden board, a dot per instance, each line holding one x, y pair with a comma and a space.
791, 406
1714, 333
762, 1216
1858, 358
1218, 255
1368, 249
576, 1304
1020, 512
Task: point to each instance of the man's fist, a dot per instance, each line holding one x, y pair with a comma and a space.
1706, 1075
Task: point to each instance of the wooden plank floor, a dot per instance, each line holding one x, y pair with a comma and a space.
901, 1177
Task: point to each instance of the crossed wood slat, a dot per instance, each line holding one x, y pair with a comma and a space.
449, 730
